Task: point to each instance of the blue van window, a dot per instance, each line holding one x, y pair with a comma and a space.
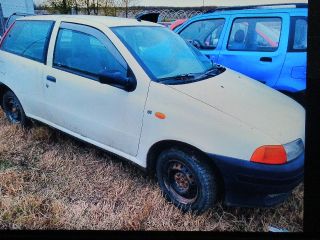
84, 53
206, 32
255, 34
29, 39
300, 34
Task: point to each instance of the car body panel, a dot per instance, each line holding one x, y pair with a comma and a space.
90, 103
238, 118
255, 104
215, 131
295, 70
267, 185
28, 89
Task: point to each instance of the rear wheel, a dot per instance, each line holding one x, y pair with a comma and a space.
13, 109
185, 181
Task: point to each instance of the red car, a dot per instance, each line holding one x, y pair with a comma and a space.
177, 23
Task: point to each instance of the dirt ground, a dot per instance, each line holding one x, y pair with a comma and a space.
51, 181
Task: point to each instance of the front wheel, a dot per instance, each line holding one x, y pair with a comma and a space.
185, 181
13, 109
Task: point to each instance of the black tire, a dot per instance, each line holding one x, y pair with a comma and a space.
185, 181
13, 109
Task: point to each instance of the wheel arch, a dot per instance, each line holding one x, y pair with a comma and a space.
3, 88
160, 146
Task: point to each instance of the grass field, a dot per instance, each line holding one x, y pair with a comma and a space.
51, 181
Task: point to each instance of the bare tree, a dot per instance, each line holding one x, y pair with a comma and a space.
109, 7
126, 4
62, 6
90, 5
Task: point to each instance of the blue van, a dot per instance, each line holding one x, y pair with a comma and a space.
267, 43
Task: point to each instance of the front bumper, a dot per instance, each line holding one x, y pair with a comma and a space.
251, 184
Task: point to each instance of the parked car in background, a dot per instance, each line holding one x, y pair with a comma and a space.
266, 43
138, 90
9, 7
14, 17
177, 23
166, 24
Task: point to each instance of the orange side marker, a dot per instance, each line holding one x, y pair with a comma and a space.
160, 115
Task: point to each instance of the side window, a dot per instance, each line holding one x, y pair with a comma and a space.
255, 34
84, 53
10, 20
29, 39
206, 32
300, 34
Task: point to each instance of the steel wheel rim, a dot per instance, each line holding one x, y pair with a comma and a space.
180, 181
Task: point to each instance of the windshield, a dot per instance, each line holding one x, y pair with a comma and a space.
164, 53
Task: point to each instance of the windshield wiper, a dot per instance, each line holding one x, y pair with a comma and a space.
180, 77
214, 71
193, 77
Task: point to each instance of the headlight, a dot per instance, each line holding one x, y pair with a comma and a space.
278, 154
294, 149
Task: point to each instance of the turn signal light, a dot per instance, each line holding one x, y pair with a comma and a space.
273, 154
160, 115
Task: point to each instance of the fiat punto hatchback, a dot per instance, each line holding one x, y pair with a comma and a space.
140, 91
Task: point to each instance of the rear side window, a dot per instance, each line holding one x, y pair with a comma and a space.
298, 34
255, 34
206, 32
29, 39
85, 54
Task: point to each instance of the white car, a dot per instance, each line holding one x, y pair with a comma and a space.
138, 90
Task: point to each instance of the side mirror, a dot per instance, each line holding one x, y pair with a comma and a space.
116, 79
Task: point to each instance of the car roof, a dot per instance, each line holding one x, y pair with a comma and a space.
105, 20
291, 11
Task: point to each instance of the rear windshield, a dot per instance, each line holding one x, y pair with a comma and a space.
28, 39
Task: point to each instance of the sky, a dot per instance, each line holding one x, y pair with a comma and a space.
194, 3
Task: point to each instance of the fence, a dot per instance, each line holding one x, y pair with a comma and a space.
166, 14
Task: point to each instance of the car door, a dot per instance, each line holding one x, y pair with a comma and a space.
256, 45
293, 74
22, 61
206, 35
77, 102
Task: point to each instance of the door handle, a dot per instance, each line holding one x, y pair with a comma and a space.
51, 79
266, 59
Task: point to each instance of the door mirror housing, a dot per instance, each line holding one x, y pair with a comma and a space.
118, 80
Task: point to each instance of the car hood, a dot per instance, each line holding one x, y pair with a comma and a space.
252, 103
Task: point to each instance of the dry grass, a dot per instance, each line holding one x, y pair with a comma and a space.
52, 181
